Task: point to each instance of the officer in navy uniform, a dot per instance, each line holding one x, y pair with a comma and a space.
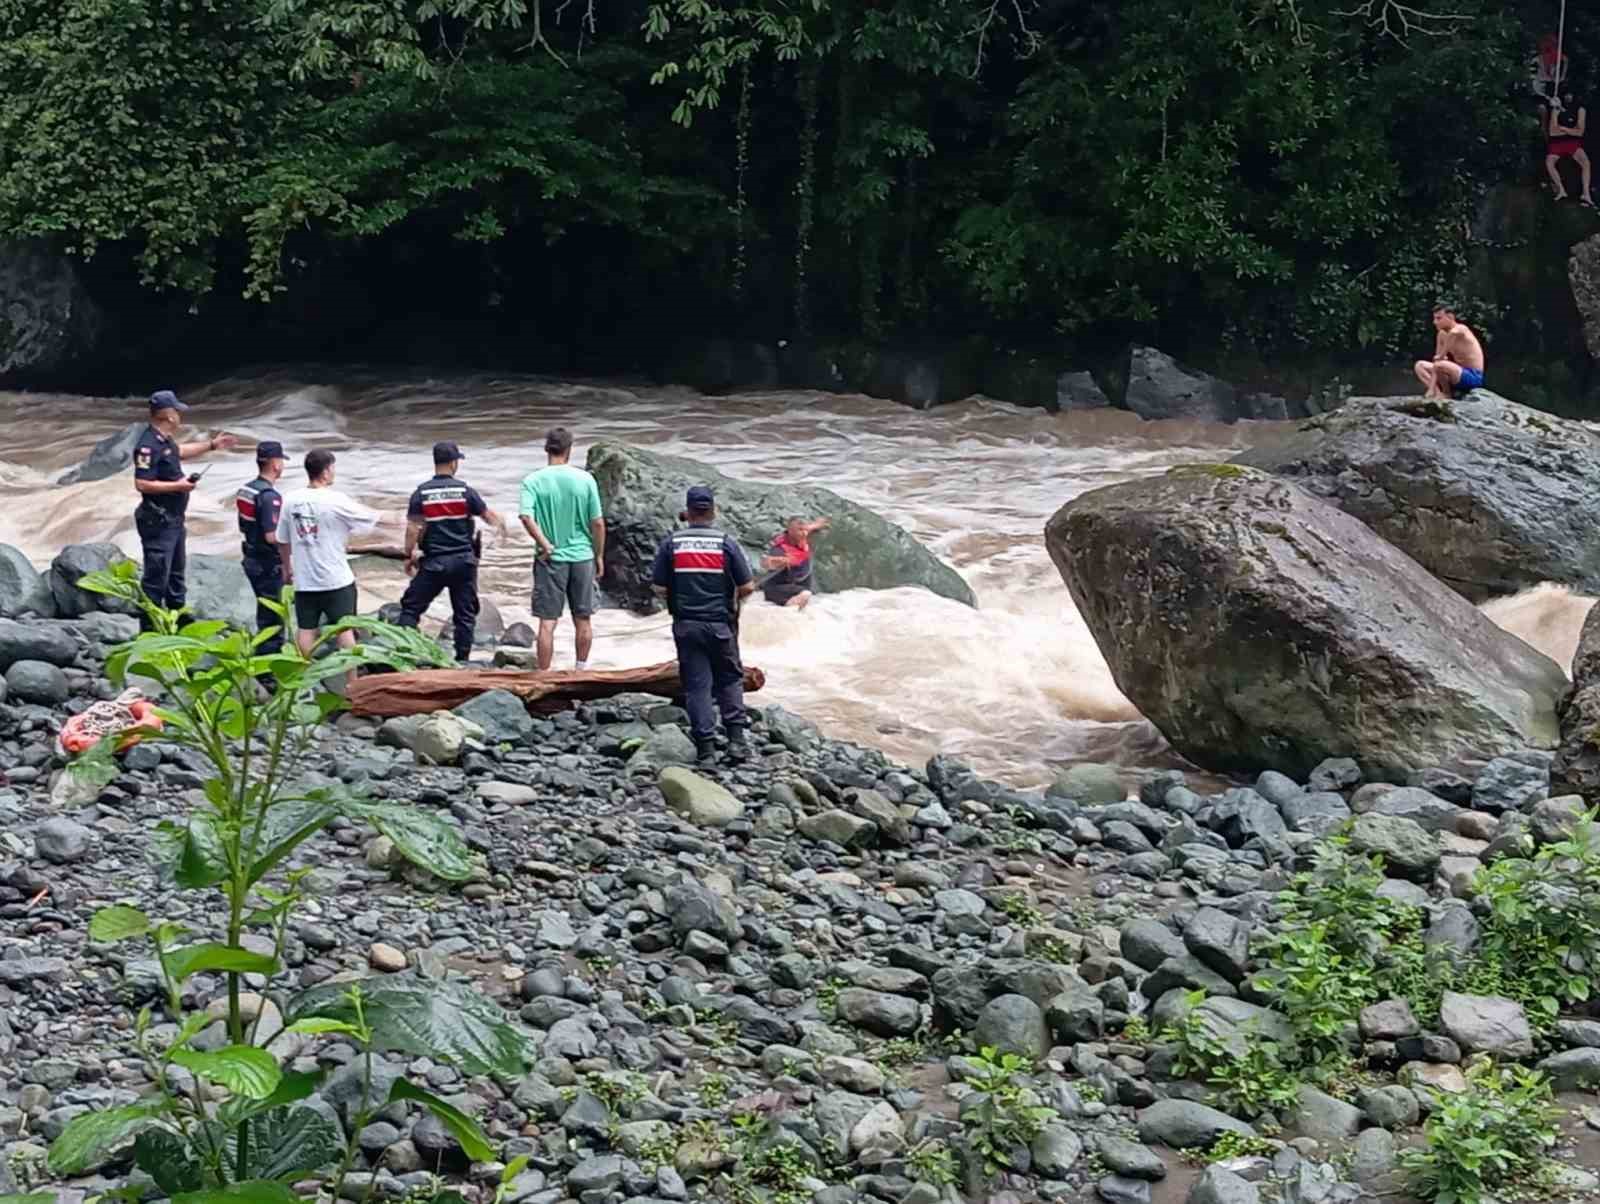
164, 489
442, 547
259, 504
705, 576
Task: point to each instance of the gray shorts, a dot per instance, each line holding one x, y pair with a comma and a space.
557, 583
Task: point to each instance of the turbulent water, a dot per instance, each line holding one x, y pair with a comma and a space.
1016, 686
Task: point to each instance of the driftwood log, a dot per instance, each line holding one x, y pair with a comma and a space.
386, 695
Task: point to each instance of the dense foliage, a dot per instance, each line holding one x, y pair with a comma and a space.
1288, 173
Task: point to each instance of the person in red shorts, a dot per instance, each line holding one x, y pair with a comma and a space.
790, 556
1569, 121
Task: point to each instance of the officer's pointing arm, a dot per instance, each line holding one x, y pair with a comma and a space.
200, 447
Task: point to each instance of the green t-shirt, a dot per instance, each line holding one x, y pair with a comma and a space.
563, 500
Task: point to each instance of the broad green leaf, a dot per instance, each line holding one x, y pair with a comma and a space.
253, 1191
167, 1158
421, 836
514, 1168
318, 1025
193, 1025
447, 1020
242, 1069
88, 1138
213, 955
285, 827
203, 629
191, 856
287, 1143
462, 1127
119, 923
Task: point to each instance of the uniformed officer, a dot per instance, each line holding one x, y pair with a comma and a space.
442, 547
164, 490
704, 576
259, 504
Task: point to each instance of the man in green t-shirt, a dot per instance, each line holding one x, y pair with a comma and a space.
561, 511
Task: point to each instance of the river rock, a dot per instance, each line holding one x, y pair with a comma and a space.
1425, 810
1573, 1069
1090, 784
1147, 943
1260, 628
1487, 1024
840, 828
70, 566
1185, 1125
1487, 495
501, 714
218, 589
1318, 1114
112, 455
23, 589
697, 799
1218, 1185
880, 1013
440, 738
51, 321
1576, 768
1407, 849
48, 642
1160, 387
1080, 391
1316, 811
61, 841
1220, 941
37, 681
642, 491
1056, 1151
1509, 784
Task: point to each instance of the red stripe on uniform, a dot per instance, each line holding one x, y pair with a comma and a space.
444, 509
247, 509
703, 561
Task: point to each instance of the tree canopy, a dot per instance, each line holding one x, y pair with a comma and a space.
1286, 173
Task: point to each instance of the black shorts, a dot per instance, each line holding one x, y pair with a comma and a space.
320, 607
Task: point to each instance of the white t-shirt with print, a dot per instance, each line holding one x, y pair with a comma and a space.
317, 524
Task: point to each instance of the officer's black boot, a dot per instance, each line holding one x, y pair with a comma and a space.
738, 744
705, 751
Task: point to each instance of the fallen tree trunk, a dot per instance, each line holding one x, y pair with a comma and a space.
386, 695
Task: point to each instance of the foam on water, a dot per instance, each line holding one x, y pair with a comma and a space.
1017, 685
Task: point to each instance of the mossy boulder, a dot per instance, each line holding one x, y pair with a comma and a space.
1489, 496
1261, 628
642, 494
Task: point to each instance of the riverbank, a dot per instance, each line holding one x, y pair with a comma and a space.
786, 986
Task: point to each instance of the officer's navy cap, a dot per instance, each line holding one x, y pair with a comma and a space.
700, 497
444, 453
269, 449
166, 399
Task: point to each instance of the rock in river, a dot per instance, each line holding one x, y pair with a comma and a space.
642, 491
1487, 495
1260, 628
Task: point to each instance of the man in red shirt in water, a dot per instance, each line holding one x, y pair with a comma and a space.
790, 555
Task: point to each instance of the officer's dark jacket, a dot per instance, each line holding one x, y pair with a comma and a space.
446, 507
700, 568
155, 458
258, 505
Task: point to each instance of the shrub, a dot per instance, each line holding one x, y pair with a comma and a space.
1257, 1080
1492, 1137
1008, 1114
235, 844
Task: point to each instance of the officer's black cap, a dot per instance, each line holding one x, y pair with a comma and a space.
269, 449
700, 498
166, 399
445, 453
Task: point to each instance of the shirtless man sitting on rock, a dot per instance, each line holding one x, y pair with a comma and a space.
1457, 364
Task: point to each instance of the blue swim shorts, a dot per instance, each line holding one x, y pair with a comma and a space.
1471, 378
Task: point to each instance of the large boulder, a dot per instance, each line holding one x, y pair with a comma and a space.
23, 588
1583, 273
48, 642
71, 565
111, 455
1576, 769
217, 588
47, 319
1489, 496
643, 493
1260, 628
1160, 387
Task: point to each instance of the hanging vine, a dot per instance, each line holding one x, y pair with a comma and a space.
742, 163
806, 192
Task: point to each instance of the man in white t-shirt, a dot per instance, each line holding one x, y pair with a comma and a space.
314, 530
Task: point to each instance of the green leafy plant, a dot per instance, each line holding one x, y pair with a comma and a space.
828, 995
1494, 1136
1020, 911
1136, 1030
933, 1161
1543, 927
713, 1089
1009, 1114
1318, 985
1253, 1076
235, 846
1231, 1145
